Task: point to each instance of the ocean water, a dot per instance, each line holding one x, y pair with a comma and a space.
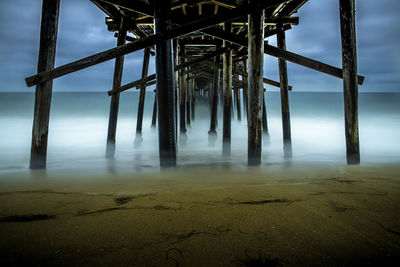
78, 130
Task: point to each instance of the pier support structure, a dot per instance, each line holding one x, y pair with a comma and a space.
47, 54
182, 100
212, 133
227, 103
350, 87
287, 138
165, 87
139, 122
255, 86
114, 104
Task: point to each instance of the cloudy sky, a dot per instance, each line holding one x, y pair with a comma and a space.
82, 32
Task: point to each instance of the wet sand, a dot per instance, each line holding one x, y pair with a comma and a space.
191, 216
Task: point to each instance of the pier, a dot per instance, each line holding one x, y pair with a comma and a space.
212, 48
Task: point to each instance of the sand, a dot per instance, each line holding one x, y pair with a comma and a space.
218, 216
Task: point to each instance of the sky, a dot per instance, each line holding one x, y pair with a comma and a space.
82, 32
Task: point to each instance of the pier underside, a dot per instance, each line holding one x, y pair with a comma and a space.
212, 48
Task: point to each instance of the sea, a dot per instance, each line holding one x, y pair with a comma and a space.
79, 121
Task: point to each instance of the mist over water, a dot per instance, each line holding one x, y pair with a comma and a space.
78, 130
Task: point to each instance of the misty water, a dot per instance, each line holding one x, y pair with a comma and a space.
78, 130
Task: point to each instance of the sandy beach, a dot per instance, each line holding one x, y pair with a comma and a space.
223, 216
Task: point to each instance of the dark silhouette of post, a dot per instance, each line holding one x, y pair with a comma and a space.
154, 117
287, 138
227, 89
255, 86
245, 89
114, 105
165, 87
182, 100
188, 99
265, 122
139, 122
212, 133
47, 55
193, 100
350, 87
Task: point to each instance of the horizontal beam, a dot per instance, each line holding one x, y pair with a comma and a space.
280, 53
147, 41
136, 83
200, 59
240, 72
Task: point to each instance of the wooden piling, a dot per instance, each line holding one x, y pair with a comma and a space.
114, 104
182, 99
192, 100
212, 133
255, 86
265, 122
47, 54
154, 117
227, 88
165, 87
145, 70
245, 89
350, 87
188, 99
287, 139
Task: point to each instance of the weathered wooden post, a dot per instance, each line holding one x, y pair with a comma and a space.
212, 133
255, 86
47, 54
287, 139
245, 90
182, 100
145, 70
265, 122
227, 89
188, 99
165, 87
114, 105
154, 117
350, 87
193, 100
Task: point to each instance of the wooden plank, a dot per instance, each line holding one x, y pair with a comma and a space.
255, 87
279, 53
283, 76
350, 89
114, 103
158, 38
47, 54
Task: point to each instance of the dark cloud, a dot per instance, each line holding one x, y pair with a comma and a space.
82, 32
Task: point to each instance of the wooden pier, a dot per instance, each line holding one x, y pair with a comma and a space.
201, 47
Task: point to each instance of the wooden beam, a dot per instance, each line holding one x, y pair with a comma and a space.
255, 87
283, 76
43, 93
227, 103
136, 83
240, 72
200, 59
114, 103
165, 87
279, 53
139, 121
142, 43
350, 89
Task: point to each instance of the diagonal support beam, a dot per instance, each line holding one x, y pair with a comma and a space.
148, 41
280, 53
